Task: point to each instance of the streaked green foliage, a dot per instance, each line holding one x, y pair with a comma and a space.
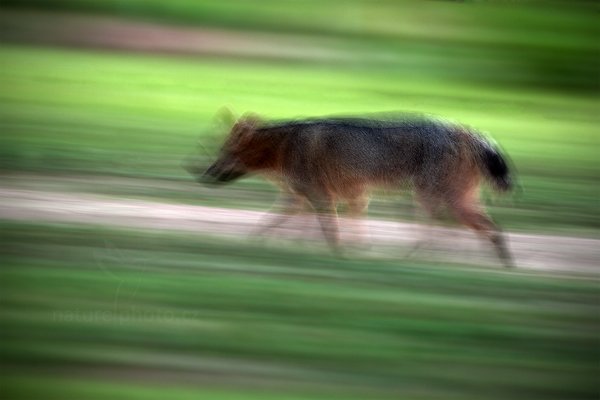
90, 313
122, 304
140, 115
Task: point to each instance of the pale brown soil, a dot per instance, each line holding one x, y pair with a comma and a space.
389, 238
78, 30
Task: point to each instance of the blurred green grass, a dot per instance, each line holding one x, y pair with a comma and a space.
94, 313
550, 44
110, 307
140, 115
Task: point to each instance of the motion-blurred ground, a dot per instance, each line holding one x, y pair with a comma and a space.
551, 253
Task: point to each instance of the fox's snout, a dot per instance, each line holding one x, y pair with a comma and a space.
217, 173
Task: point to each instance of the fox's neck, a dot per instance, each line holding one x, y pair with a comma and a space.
265, 152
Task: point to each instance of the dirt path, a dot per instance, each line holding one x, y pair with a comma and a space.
537, 252
93, 31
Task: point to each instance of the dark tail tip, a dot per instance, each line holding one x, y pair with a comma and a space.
497, 169
504, 184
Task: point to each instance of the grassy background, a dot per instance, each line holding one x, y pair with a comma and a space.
100, 313
140, 115
526, 74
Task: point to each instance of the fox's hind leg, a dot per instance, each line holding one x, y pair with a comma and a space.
473, 216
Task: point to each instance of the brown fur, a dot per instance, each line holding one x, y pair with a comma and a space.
325, 162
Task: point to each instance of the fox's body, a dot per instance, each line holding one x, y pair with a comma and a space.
325, 161
347, 155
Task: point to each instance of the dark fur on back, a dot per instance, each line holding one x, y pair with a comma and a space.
386, 150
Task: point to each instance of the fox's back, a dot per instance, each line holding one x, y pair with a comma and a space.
376, 151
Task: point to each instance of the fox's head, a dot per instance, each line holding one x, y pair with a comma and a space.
235, 156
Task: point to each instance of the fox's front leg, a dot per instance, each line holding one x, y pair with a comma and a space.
325, 208
425, 212
357, 207
290, 205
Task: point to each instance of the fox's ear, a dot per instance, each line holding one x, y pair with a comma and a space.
244, 127
225, 116
249, 120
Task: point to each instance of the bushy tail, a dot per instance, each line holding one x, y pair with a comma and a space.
493, 165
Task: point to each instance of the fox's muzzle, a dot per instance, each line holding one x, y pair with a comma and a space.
222, 171
209, 178
218, 173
